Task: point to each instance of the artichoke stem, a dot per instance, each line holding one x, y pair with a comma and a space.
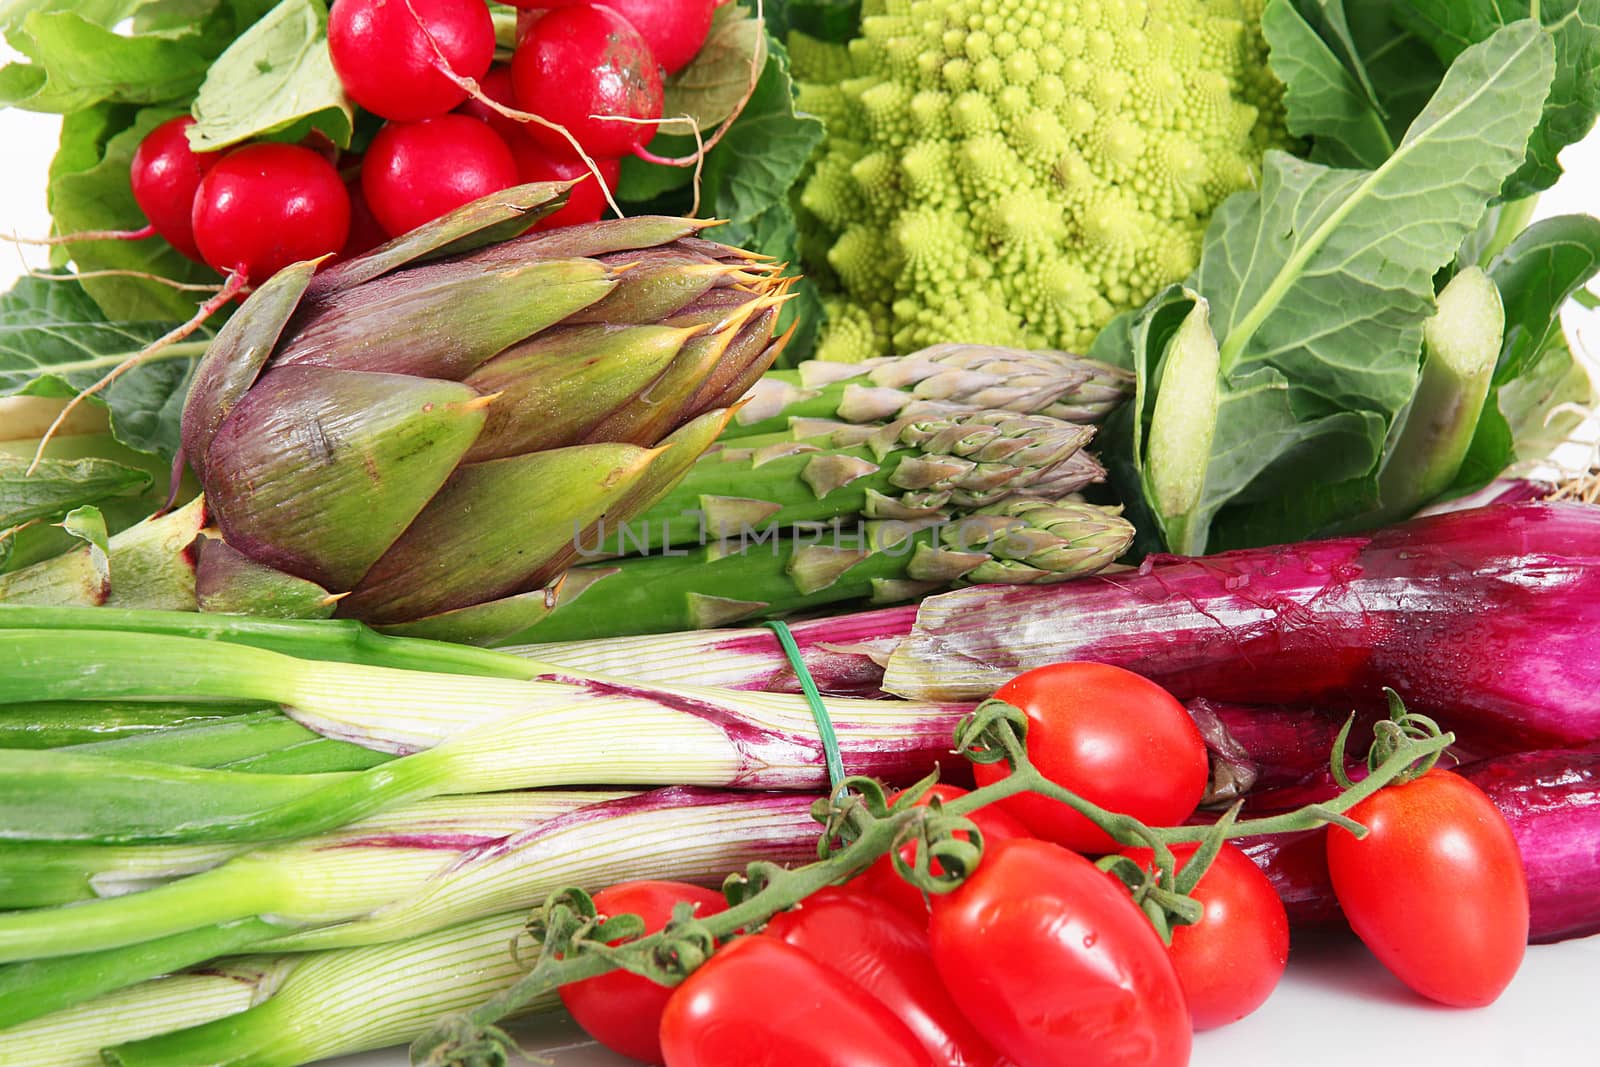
151, 566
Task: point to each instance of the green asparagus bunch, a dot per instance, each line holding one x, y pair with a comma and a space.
940, 380
1018, 541
822, 471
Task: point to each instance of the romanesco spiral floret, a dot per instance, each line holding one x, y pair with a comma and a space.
1019, 171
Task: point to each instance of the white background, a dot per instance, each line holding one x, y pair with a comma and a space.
1336, 1006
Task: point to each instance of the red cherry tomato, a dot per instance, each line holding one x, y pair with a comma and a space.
761, 1001
1436, 889
885, 953
541, 163
1230, 961
582, 68
1113, 738
622, 1011
884, 882
1057, 965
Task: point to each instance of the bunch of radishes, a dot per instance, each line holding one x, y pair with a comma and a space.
584, 75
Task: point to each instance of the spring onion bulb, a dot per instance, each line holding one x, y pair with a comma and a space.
393, 882
340, 1002
844, 654
281, 1011
678, 833
456, 734
318, 880
74, 1036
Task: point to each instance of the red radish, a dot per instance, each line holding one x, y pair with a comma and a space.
582, 68
265, 206
496, 85
366, 232
675, 29
586, 202
166, 173
416, 171
382, 52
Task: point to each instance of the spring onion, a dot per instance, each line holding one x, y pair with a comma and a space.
455, 734
425, 869
335, 1003
74, 1036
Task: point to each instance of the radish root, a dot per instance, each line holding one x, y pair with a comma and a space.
1584, 488
232, 287
85, 235
472, 89
142, 275
695, 159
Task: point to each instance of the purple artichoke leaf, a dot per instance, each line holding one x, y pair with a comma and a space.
493, 527
665, 402
497, 217
229, 582
234, 359
482, 624
318, 471
593, 239
552, 390
655, 284
749, 355
442, 323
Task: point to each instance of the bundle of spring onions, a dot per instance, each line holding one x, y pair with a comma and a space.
241, 807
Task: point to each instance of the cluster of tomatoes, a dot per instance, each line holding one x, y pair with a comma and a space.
593, 71
1041, 958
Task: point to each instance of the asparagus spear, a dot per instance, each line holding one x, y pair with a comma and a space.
909, 469
1017, 542
940, 380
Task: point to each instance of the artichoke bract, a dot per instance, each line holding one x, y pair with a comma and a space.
417, 438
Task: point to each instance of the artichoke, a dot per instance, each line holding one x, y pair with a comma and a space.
417, 438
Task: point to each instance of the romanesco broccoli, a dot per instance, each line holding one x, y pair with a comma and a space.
1019, 171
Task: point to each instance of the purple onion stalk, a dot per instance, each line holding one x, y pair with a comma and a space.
1488, 618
